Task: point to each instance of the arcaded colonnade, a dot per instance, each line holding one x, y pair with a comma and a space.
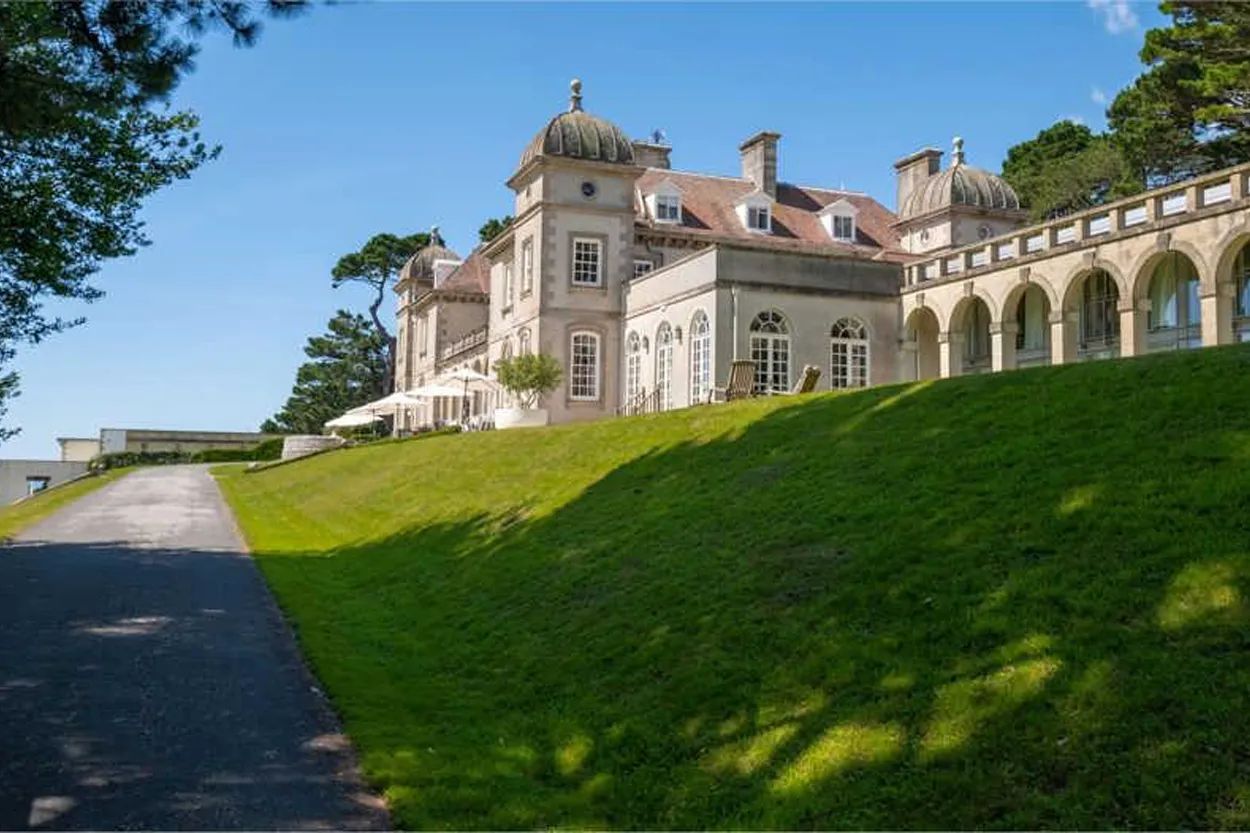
1166, 270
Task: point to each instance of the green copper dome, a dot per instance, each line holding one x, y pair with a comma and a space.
961, 184
576, 134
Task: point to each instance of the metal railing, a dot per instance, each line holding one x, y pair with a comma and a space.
643, 403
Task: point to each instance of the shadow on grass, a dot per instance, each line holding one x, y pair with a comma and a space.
1007, 602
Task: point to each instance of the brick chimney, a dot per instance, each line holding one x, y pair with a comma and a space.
759, 161
913, 170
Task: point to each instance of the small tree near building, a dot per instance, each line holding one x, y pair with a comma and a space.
529, 377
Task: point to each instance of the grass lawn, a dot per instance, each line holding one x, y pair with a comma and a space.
16, 517
1009, 601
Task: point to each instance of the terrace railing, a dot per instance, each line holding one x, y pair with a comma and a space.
1093, 225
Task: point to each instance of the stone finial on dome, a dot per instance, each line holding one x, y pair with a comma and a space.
435, 238
575, 98
957, 158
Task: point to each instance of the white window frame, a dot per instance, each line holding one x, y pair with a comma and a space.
523, 342
844, 220
527, 266
668, 208
582, 246
770, 350
643, 267
509, 285
664, 366
423, 332
849, 360
577, 377
754, 215
700, 358
633, 368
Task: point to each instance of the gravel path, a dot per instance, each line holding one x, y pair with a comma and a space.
147, 680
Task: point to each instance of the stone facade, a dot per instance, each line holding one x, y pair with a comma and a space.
1161, 271
646, 282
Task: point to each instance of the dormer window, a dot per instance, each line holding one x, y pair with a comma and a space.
668, 209
755, 211
838, 218
665, 203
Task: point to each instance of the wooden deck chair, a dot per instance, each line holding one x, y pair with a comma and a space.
807, 381
741, 383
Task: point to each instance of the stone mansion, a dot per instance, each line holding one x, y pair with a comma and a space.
646, 282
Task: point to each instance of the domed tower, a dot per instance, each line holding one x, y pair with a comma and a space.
557, 272
428, 267
944, 209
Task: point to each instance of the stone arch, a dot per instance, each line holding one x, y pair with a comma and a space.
969, 337
1076, 276
1018, 289
1148, 260
955, 322
1225, 318
921, 358
1228, 247
1092, 328
1027, 331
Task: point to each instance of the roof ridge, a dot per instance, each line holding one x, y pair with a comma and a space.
741, 179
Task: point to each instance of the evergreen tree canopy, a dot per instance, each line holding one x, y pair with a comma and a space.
493, 227
1066, 168
83, 142
376, 265
346, 369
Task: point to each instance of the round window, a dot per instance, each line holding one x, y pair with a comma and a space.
589, 190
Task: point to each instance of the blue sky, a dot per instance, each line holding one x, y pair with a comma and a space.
362, 118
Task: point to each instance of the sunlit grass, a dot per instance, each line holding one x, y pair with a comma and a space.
17, 517
1010, 601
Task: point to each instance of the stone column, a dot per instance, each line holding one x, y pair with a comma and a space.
1062, 336
1003, 345
1217, 315
950, 354
1132, 330
908, 361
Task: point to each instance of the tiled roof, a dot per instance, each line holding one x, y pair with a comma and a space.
708, 202
473, 275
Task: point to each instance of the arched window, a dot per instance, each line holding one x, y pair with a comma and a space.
770, 350
848, 362
523, 342
1174, 317
700, 358
1032, 328
584, 367
505, 350
976, 337
664, 367
1241, 279
633, 368
1098, 313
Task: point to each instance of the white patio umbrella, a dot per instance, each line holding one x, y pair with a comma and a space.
434, 391
352, 420
398, 399
389, 404
466, 375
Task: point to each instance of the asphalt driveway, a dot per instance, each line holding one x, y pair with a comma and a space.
148, 681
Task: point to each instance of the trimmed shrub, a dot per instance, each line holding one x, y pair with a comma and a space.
121, 459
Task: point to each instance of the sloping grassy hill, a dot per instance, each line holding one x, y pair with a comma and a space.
1010, 601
